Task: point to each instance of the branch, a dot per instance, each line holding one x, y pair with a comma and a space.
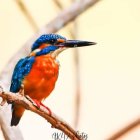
27, 14
67, 16
73, 33
53, 119
7, 129
125, 130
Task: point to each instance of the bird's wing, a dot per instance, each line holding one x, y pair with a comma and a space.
22, 68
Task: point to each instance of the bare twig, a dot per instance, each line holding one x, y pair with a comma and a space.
9, 132
27, 14
68, 15
125, 130
58, 4
53, 119
60, 7
77, 73
73, 34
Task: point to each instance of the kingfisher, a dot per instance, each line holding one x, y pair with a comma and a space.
38, 72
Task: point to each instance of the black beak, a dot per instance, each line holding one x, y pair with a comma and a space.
76, 43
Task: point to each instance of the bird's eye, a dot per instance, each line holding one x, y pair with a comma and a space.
52, 41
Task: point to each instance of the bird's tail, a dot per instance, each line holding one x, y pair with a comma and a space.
17, 112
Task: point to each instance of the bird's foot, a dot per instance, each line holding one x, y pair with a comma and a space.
38, 104
47, 108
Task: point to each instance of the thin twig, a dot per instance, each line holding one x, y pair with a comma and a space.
60, 6
8, 132
53, 119
125, 130
73, 34
27, 14
67, 16
77, 73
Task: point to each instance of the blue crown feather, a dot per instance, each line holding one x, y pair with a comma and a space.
46, 38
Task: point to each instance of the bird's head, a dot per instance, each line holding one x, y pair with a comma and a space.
54, 44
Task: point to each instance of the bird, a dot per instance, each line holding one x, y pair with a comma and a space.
38, 72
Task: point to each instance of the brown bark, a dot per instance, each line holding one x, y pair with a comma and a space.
42, 111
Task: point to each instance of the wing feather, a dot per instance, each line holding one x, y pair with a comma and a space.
22, 68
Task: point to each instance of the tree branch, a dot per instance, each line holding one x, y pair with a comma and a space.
125, 130
27, 14
53, 119
73, 33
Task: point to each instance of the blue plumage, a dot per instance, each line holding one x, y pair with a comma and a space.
22, 68
46, 38
46, 50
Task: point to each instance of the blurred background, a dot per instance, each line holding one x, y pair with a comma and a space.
98, 89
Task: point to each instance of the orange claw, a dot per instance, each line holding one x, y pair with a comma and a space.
50, 113
39, 104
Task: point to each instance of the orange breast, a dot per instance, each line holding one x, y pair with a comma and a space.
40, 82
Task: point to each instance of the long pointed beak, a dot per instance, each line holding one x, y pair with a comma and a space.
76, 43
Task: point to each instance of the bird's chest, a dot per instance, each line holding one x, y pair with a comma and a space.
41, 79
45, 67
